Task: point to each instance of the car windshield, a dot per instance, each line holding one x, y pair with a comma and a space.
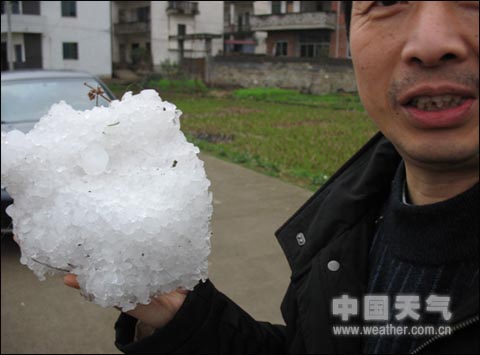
29, 100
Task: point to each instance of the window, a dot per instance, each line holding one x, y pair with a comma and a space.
315, 6
143, 14
18, 53
69, 8
324, 5
312, 36
70, 50
289, 7
276, 7
122, 16
247, 19
31, 7
281, 49
15, 7
240, 22
314, 50
306, 50
181, 29
314, 43
4, 59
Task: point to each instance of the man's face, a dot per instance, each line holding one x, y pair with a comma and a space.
416, 64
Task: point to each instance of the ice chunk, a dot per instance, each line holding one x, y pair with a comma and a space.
16, 139
94, 159
114, 194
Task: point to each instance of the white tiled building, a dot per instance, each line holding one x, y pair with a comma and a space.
59, 35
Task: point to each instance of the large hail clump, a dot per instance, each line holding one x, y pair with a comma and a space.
115, 195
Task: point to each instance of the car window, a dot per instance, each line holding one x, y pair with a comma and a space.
29, 100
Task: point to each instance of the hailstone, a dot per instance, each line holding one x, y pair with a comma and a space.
115, 195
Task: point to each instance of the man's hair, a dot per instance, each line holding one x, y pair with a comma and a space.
347, 11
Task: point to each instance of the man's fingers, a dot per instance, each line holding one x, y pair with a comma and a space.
71, 281
183, 291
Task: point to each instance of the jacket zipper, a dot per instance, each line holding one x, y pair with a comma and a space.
454, 328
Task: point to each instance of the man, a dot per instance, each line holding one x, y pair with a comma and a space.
397, 224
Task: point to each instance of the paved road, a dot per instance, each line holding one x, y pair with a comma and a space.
246, 263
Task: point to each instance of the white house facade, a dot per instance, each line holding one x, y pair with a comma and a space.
59, 35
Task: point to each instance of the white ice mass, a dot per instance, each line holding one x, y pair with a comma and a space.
115, 195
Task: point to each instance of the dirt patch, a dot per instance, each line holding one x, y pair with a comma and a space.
214, 137
220, 93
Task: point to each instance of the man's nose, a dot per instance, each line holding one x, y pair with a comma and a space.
435, 35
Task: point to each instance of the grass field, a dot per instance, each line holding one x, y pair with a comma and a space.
299, 138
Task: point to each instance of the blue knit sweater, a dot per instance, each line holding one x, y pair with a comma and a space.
422, 250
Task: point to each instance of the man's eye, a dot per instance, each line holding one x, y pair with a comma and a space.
387, 3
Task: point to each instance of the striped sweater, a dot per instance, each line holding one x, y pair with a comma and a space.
422, 251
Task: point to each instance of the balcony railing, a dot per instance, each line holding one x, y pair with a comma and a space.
125, 28
237, 29
182, 7
294, 21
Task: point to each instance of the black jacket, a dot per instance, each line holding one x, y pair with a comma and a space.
337, 223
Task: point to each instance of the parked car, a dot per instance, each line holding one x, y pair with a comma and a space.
28, 95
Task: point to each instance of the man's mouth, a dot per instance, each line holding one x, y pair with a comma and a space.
436, 103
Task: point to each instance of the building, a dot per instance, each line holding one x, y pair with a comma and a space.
154, 32
238, 34
301, 28
58, 35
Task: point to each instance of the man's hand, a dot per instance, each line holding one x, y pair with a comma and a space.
157, 313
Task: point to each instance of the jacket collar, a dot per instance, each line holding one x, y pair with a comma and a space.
357, 188
338, 220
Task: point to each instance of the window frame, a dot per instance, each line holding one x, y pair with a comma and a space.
18, 49
181, 29
283, 48
65, 50
276, 7
67, 12
317, 49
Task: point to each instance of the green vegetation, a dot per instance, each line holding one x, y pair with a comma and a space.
299, 138
161, 85
332, 101
301, 144
178, 85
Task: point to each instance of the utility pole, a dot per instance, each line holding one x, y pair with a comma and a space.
9, 35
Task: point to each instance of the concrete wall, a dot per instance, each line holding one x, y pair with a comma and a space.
90, 29
317, 77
